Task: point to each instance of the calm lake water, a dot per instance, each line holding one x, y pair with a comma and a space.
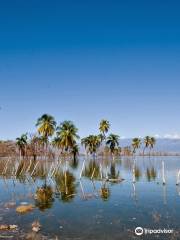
93, 209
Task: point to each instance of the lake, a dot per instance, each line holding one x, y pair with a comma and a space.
92, 207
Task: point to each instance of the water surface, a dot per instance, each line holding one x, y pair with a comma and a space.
93, 208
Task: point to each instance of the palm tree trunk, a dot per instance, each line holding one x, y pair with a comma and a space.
112, 156
144, 151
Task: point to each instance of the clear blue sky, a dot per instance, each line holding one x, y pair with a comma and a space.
88, 60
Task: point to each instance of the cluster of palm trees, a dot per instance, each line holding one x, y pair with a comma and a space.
65, 138
148, 143
22, 144
93, 142
65, 134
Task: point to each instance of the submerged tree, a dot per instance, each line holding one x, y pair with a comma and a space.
91, 143
112, 142
46, 127
21, 142
146, 143
152, 142
66, 135
113, 174
75, 151
136, 143
35, 146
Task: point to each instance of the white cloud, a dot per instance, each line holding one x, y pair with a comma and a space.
122, 137
168, 135
157, 136
172, 136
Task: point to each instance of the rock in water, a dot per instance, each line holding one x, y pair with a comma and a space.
4, 227
24, 209
36, 226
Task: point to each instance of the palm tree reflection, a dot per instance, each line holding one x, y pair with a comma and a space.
74, 163
113, 173
105, 192
44, 197
66, 185
92, 170
151, 174
137, 173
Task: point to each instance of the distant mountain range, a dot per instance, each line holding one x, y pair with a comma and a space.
162, 144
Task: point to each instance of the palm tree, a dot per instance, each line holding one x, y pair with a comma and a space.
94, 142
152, 142
112, 142
113, 173
67, 135
75, 151
46, 127
36, 145
146, 143
21, 142
91, 143
101, 137
136, 143
104, 127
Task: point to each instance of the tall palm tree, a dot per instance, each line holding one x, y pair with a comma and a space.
146, 143
46, 127
112, 142
75, 151
104, 127
136, 143
21, 142
152, 142
67, 135
101, 137
91, 143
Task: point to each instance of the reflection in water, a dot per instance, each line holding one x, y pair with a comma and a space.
164, 194
151, 174
105, 203
65, 185
92, 170
137, 173
134, 192
113, 174
178, 189
44, 197
105, 192
74, 163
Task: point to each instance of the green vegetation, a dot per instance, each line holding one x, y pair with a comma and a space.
113, 143
21, 142
136, 143
53, 140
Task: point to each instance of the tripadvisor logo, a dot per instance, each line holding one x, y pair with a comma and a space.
139, 231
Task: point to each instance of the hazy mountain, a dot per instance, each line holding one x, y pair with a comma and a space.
162, 144
167, 145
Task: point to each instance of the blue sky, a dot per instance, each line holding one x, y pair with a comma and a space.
88, 60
